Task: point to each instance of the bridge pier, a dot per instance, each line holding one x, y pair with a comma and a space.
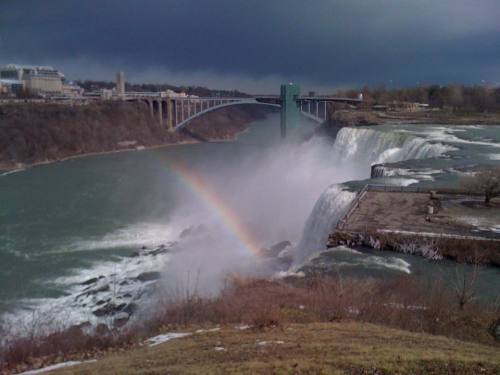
160, 112
170, 114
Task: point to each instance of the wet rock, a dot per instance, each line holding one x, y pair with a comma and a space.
92, 292
84, 325
102, 288
148, 276
160, 250
274, 250
92, 280
131, 308
280, 246
121, 319
109, 309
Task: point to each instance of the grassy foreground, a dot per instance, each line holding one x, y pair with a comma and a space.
314, 348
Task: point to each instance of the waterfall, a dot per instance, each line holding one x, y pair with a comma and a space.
371, 146
327, 211
359, 149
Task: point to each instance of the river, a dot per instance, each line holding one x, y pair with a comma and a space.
75, 225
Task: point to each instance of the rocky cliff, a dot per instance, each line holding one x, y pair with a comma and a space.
38, 133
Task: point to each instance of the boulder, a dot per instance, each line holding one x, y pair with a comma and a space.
274, 250
109, 309
149, 276
121, 319
92, 280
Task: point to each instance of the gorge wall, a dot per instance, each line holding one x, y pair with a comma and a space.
38, 133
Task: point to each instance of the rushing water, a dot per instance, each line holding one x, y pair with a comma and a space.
65, 223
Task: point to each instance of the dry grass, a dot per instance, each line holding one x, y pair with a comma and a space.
277, 306
315, 348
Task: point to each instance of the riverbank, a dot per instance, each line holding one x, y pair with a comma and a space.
341, 118
270, 325
34, 134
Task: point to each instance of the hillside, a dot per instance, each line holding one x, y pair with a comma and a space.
39, 133
315, 348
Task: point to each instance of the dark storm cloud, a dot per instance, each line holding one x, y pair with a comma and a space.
321, 42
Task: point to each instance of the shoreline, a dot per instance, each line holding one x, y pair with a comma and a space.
342, 117
359, 120
6, 172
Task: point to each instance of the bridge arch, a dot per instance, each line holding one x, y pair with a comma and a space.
187, 120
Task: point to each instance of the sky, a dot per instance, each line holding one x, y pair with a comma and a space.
254, 45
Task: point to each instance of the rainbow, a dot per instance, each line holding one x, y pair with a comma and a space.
225, 213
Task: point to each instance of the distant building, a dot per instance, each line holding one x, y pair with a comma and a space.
72, 90
106, 94
11, 86
172, 94
38, 80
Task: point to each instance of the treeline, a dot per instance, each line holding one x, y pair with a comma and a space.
451, 97
89, 85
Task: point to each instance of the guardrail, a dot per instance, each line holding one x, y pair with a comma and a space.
354, 205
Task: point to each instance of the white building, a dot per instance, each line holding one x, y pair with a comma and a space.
37, 80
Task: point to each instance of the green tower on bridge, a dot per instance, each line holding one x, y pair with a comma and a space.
290, 110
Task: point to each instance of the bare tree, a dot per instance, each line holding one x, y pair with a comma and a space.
486, 182
464, 284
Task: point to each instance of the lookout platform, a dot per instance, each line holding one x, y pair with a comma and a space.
442, 223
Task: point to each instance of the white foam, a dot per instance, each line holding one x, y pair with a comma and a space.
133, 236
392, 263
445, 134
403, 181
345, 249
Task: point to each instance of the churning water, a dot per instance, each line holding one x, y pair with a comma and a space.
80, 234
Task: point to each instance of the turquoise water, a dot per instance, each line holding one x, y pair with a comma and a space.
63, 223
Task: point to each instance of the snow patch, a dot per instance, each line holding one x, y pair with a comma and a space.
263, 343
160, 339
56, 367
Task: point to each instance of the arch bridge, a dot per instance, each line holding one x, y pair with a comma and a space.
175, 112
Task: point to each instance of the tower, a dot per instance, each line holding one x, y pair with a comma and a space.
290, 111
120, 84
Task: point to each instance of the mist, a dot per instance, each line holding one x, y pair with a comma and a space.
271, 186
